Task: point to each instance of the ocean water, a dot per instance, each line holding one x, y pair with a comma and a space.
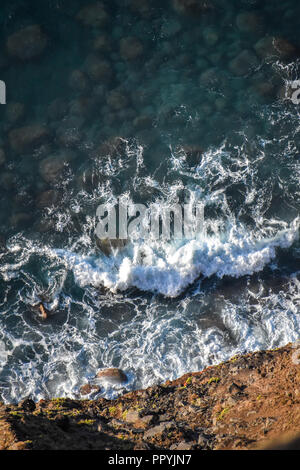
202, 103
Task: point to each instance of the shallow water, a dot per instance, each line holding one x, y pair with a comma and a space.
196, 125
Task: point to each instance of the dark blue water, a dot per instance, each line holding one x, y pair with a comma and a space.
172, 103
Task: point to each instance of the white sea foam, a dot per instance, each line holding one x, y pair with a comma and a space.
168, 268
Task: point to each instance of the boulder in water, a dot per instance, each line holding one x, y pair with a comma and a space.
107, 246
93, 15
112, 376
25, 139
192, 7
28, 43
243, 63
131, 48
274, 47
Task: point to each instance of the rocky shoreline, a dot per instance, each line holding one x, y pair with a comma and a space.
248, 402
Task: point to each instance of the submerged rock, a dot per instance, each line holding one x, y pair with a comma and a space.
14, 112
48, 198
249, 22
112, 376
78, 81
51, 168
93, 15
28, 43
192, 7
25, 139
117, 100
131, 48
2, 156
243, 63
102, 43
271, 46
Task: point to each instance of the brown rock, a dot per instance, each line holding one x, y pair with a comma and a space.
88, 388
78, 80
27, 138
28, 43
113, 376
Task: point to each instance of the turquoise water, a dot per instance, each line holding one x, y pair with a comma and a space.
147, 103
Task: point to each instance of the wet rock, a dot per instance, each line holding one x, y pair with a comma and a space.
131, 48
108, 246
93, 15
249, 22
48, 198
14, 112
87, 389
98, 70
2, 244
243, 63
193, 154
112, 376
78, 81
209, 77
28, 43
69, 136
25, 139
272, 47
27, 404
192, 7
117, 100
2, 156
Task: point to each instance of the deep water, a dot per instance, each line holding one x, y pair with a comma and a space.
148, 103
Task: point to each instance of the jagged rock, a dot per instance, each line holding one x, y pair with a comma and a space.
272, 47
93, 15
243, 63
131, 48
28, 43
112, 376
159, 429
25, 139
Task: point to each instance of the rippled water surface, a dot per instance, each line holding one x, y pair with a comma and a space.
145, 102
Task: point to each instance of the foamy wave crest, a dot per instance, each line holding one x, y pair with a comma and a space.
168, 268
